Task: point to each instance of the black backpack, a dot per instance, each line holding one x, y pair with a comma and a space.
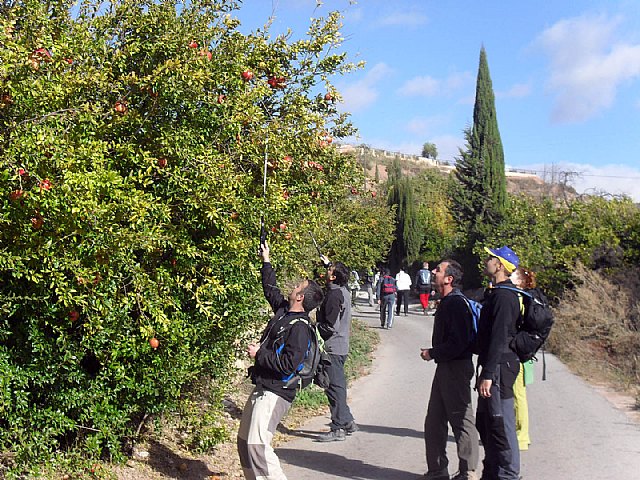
306, 371
534, 326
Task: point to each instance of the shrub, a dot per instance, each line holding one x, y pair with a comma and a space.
133, 139
594, 331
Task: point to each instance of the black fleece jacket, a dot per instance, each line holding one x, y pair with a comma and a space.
272, 369
496, 328
452, 336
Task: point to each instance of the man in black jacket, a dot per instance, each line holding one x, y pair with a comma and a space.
450, 400
495, 417
278, 356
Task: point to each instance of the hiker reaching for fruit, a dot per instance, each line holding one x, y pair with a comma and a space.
277, 357
334, 324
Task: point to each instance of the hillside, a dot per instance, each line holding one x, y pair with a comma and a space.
518, 181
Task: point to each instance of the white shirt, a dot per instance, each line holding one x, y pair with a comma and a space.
403, 280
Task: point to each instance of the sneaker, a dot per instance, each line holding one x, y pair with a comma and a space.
338, 435
351, 428
468, 475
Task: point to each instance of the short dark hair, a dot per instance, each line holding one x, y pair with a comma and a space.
341, 272
313, 296
454, 269
386, 271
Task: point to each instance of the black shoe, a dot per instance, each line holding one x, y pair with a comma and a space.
351, 428
338, 435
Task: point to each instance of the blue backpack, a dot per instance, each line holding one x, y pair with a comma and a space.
474, 309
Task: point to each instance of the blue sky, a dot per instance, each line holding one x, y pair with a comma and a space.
566, 76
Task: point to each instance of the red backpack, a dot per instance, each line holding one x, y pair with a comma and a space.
388, 285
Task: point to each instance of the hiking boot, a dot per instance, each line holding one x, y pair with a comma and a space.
351, 428
436, 476
468, 475
338, 435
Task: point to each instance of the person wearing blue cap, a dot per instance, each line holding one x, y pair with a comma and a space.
499, 367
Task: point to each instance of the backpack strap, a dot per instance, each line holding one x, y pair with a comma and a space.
280, 348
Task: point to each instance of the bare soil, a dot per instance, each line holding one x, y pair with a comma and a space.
163, 458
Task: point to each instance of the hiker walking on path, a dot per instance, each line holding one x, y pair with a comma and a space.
281, 350
334, 324
386, 290
423, 286
369, 282
495, 418
354, 286
450, 400
403, 281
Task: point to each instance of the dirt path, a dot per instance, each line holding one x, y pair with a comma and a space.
576, 432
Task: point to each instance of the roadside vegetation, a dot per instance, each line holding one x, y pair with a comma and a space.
134, 136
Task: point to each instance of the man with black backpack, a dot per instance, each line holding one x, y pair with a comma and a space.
450, 400
499, 367
283, 346
387, 291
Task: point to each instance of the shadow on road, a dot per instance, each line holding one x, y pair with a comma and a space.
376, 429
339, 466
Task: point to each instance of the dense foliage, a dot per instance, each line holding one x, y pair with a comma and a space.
133, 135
551, 239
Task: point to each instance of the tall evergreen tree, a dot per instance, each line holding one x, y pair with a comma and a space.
406, 246
481, 197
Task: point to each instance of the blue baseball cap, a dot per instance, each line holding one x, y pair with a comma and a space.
507, 257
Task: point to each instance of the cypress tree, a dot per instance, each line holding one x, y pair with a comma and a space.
481, 197
406, 246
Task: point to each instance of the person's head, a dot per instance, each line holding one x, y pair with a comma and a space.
447, 275
500, 263
425, 265
305, 295
523, 278
338, 274
385, 271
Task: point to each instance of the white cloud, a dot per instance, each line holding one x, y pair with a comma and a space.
359, 95
518, 90
428, 86
614, 179
354, 15
424, 126
448, 146
404, 19
587, 65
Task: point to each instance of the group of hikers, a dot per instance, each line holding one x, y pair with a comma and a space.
285, 341
500, 423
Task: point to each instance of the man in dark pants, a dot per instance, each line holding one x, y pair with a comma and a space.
450, 400
495, 416
387, 292
334, 323
281, 350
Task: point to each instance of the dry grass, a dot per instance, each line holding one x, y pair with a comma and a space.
596, 329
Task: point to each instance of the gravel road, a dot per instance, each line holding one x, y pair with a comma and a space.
576, 432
